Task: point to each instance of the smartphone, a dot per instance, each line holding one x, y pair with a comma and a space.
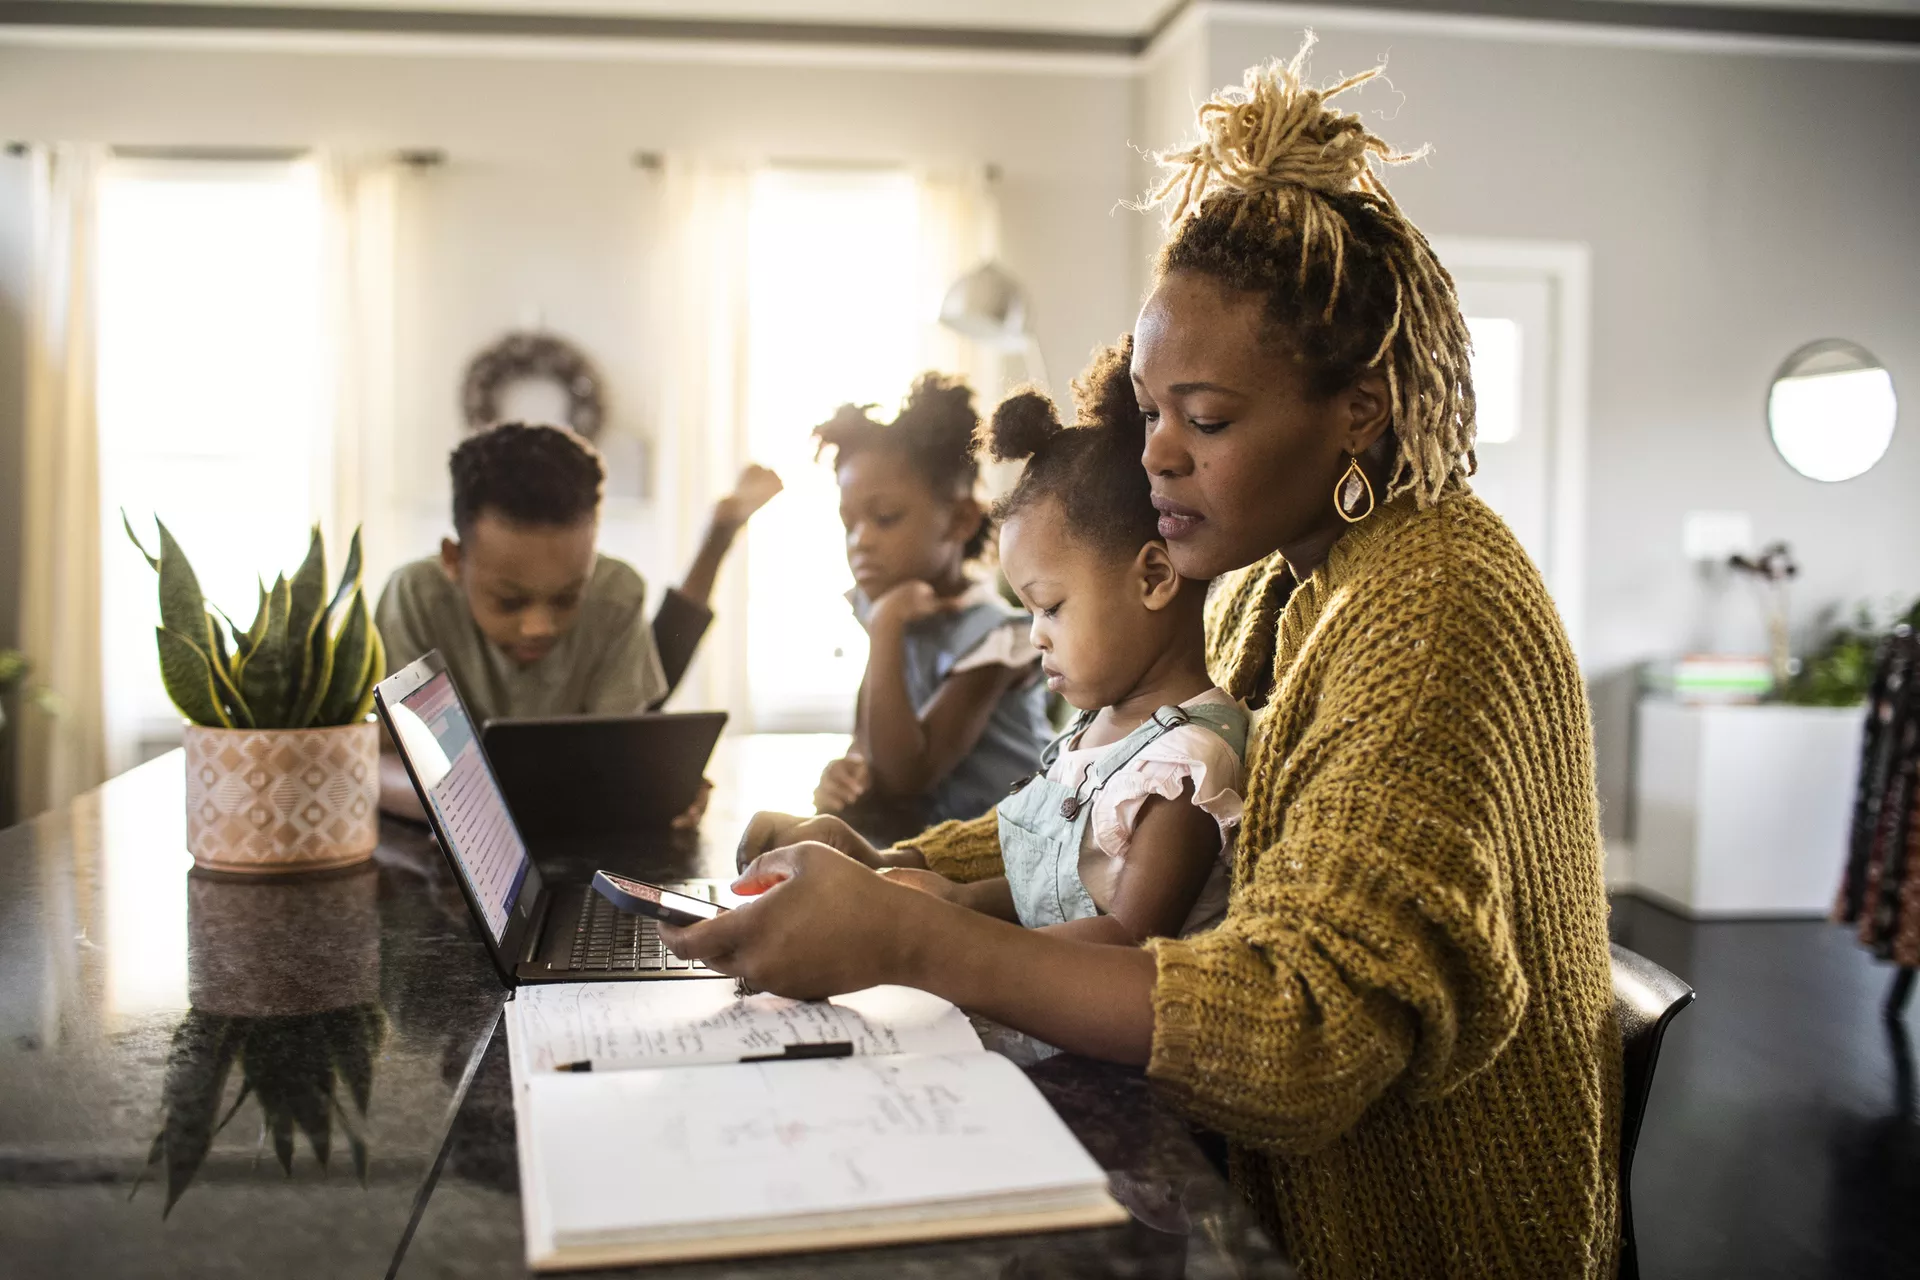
646, 899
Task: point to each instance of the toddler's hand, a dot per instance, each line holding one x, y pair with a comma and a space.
841, 783
752, 491
767, 831
908, 603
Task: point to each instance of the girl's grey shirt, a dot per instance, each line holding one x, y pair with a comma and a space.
967, 636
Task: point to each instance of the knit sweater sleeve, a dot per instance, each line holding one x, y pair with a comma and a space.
962, 851
1368, 943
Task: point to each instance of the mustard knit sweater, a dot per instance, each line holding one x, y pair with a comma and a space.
1404, 1025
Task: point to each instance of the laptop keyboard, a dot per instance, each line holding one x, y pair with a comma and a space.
606, 938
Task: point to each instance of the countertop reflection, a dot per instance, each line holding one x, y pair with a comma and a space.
210, 1076
214, 1076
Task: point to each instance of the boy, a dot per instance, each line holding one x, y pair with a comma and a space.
531, 620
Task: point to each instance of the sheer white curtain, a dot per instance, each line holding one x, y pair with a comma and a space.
700, 319
959, 230
63, 753
709, 291
361, 202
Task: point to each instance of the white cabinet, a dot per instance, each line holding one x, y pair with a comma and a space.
1744, 810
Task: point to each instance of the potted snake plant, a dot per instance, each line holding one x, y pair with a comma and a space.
283, 761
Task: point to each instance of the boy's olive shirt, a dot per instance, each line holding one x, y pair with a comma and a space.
606, 665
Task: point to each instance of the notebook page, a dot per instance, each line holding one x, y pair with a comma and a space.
652, 1024
752, 1147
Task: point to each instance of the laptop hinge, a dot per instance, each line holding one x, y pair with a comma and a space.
537, 933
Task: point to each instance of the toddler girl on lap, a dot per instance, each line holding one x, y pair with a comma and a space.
1124, 833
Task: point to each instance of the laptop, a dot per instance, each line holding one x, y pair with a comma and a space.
535, 932
573, 776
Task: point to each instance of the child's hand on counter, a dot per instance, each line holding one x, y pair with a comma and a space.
841, 783
697, 810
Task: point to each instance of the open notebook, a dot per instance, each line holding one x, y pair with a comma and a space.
671, 1148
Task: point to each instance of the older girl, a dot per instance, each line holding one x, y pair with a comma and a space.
951, 709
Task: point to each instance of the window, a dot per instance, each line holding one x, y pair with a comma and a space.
212, 408
1509, 316
1497, 378
1526, 308
834, 316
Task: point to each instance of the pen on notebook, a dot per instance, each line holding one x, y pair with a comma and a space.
792, 1053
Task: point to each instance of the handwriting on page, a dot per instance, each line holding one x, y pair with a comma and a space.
748, 1142
610, 1025
832, 1131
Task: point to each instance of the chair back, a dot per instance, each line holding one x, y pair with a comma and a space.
1645, 998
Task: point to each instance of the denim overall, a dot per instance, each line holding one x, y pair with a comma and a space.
1043, 823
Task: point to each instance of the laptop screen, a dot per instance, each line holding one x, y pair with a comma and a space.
433, 730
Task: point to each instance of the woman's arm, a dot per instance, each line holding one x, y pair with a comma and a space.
1090, 999
989, 897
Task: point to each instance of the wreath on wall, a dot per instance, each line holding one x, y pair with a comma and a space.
538, 356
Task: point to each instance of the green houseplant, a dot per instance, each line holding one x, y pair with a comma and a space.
1840, 671
282, 759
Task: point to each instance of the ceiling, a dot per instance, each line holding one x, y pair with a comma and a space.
1104, 17
1097, 17
1088, 26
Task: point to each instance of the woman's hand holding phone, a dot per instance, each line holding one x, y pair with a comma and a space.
820, 926
641, 898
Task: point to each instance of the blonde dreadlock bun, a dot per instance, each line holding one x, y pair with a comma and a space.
1280, 196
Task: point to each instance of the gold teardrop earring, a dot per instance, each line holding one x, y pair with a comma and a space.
1350, 488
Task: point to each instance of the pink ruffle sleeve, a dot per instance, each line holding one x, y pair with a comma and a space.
1190, 752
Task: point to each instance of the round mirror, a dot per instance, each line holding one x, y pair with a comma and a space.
1831, 410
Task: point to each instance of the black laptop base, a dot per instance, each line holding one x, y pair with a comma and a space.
584, 939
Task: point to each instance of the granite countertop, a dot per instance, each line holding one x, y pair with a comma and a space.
216, 1077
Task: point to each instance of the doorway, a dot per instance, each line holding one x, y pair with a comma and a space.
1526, 307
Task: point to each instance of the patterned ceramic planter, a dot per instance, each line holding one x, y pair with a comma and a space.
278, 800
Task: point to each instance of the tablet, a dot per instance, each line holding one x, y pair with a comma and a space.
575, 776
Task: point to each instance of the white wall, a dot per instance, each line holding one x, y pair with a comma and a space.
1737, 205
1174, 80
540, 207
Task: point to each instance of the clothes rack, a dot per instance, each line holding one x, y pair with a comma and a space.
1880, 894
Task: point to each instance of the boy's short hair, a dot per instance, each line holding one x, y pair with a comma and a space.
528, 473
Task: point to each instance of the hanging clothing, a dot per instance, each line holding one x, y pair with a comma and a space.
1880, 894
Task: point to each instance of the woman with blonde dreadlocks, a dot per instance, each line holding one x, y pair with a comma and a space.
1403, 1025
